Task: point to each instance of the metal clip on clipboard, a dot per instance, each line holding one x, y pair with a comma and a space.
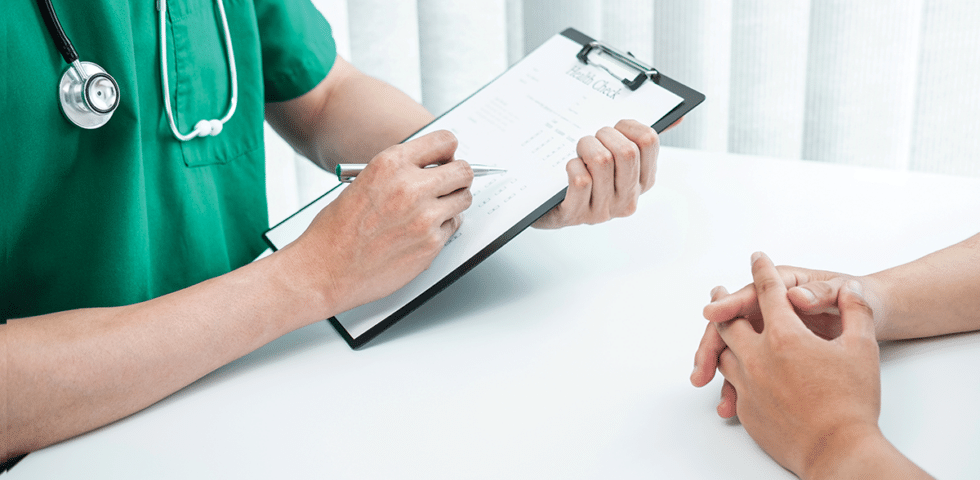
626, 59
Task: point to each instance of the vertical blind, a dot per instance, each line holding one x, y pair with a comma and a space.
876, 83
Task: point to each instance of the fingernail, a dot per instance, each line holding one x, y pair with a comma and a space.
810, 297
756, 256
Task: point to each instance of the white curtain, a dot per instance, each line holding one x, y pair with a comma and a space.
879, 83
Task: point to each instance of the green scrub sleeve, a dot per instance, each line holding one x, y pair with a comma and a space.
297, 47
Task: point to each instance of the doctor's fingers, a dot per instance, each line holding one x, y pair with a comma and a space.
445, 219
449, 178
449, 208
648, 143
575, 207
449, 227
672, 125
601, 166
626, 164
431, 148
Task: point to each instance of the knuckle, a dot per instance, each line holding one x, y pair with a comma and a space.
601, 216
864, 309
648, 139
868, 342
626, 206
625, 123
630, 207
386, 160
864, 343
434, 240
403, 194
580, 181
821, 289
782, 338
602, 158
466, 198
606, 132
650, 179
430, 220
766, 285
628, 152
718, 292
422, 225
726, 360
467, 171
755, 367
446, 137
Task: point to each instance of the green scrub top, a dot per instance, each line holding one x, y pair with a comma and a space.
126, 212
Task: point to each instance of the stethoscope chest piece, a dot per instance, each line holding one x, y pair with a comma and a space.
88, 95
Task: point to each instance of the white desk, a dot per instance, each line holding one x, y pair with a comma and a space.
566, 355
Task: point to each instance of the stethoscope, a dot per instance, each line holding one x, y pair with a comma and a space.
89, 95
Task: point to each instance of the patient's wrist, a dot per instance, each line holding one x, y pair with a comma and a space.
844, 452
878, 294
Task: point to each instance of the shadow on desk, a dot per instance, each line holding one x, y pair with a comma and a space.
896, 351
499, 279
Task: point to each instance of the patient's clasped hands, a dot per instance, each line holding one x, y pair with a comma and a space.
799, 354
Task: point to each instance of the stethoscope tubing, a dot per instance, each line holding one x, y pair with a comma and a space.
74, 95
78, 82
58, 35
204, 127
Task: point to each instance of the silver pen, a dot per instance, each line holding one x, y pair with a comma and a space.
348, 171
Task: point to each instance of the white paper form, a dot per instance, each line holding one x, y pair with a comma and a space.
528, 121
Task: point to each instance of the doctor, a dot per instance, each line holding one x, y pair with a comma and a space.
133, 197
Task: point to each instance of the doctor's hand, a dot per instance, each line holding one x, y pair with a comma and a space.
813, 293
810, 402
387, 226
605, 181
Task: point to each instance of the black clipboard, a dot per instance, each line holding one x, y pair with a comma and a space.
692, 98
689, 99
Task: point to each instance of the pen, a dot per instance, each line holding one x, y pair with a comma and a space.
348, 171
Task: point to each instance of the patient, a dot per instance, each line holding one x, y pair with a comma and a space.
799, 353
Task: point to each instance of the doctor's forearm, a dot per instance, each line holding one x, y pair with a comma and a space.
74, 371
364, 118
348, 118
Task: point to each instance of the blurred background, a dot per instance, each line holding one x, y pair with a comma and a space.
891, 84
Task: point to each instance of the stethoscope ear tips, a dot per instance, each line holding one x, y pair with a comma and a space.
206, 128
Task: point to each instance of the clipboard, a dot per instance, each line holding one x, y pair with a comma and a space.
531, 116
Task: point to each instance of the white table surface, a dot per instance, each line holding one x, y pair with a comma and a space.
566, 355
